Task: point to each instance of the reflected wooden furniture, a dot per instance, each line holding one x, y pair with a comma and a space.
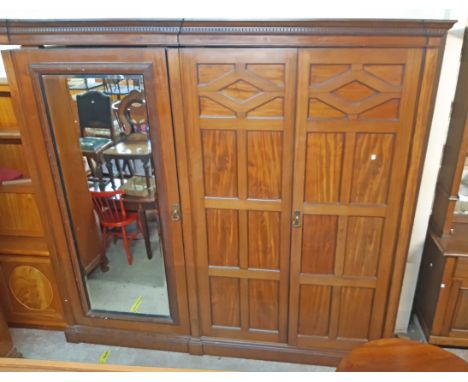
132, 113
400, 355
95, 115
287, 156
130, 149
92, 149
120, 86
441, 301
97, 130
114, 219
142, 204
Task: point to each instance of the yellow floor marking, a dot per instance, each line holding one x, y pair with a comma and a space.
104, 356
136, 304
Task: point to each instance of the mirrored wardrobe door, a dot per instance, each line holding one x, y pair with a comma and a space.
109, 139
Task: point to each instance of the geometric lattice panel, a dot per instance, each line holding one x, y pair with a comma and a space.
355, 91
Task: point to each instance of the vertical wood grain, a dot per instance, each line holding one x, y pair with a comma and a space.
323, 167
8, 120
220, 163
363, 246
264, 239
19, 215
225, 305
460, 317
12, 156
263, 304
355, 312
314, 310
223, 237
318, 243
264, 175
372, 164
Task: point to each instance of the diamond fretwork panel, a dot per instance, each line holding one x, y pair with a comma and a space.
241, 91
354, 91
357, 91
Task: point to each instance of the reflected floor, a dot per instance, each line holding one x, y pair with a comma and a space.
137, 288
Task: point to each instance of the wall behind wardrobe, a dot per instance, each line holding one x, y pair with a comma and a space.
48, 9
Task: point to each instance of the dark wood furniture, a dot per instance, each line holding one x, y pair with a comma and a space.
142, 205
6, 344
129, 150
25, 261
400, 355
94, 157
132, 113
95, 115
441, 301
287, 160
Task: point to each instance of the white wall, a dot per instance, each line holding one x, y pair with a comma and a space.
302, 10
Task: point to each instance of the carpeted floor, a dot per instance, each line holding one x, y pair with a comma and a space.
51, 345
138, 288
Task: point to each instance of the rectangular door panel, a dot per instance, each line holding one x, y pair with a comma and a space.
318, 251
264, 239
324, 165
223, 237
225, 306
372, 166
239, 120
352, 140
355, 312
263, 305
220, 163
363, 246
264, 157
460, 320
314, 310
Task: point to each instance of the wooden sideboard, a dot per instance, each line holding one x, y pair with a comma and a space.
25, 266
441, 301
294, 150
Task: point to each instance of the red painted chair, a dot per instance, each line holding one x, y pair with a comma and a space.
112, 215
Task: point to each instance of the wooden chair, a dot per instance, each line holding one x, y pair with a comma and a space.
95, 115
97, 130
133, 119
110, 208
132, 114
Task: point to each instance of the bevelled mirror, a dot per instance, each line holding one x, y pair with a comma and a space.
101, 132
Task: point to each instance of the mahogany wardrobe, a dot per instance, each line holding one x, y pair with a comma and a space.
287, 156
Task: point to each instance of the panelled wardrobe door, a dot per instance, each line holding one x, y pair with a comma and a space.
240, 107
354, 130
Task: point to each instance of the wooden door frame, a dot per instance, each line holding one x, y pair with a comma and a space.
28, 64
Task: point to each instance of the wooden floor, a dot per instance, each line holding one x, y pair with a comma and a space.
19, 364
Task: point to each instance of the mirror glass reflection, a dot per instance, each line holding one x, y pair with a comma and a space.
100, 128
461, 206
